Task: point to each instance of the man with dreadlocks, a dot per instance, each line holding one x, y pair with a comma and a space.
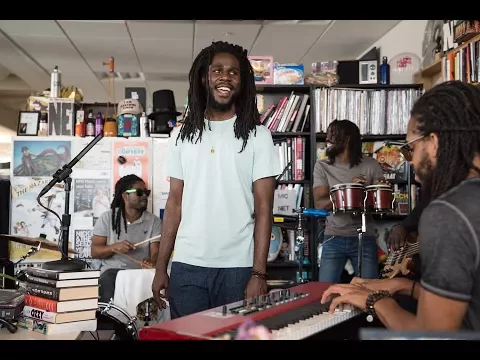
222, 165
345, 164
118, 229
443, 145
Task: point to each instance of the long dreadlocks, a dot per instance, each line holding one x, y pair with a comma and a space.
340, 131
118, 204
452, 111
245, 103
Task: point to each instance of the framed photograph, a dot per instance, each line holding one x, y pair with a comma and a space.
28, 123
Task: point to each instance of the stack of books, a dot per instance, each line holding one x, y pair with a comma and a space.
60, 302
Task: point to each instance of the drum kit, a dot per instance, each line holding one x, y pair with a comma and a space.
36, 244
117, 322
358, 199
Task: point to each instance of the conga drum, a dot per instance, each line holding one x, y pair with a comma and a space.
347, 197
379, 199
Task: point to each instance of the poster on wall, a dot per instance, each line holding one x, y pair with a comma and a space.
161, 182
39, 157
29, 219
91, 199
137, 159
97, 162
136, 155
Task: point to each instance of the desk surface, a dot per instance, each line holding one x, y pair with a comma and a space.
23, 334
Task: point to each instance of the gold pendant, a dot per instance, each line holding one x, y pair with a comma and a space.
213, 150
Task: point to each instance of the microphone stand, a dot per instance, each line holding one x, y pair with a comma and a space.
63, 174
361, 231
299, 244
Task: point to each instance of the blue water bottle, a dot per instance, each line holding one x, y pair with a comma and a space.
384, 72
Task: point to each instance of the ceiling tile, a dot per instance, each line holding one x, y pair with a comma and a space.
46, 49
96, 51
282, 41
353, 31
30, 27
179, 30
235, 33
21, 65
94, 29
164, 55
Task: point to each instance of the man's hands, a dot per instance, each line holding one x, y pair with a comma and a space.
255, 287
122, 247
360, 179
390, 285
397, 238
160, 282
352, 294
148, 263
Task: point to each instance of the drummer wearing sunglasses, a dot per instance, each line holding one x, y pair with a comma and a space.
118, 230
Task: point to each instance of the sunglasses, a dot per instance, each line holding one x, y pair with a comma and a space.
406, 150
140, 192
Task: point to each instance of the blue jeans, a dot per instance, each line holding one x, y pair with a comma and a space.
337, 249
192, 289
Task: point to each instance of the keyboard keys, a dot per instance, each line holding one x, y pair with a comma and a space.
302, 322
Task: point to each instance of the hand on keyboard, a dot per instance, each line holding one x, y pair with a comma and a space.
347, 294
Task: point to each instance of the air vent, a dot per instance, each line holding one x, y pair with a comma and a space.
165, 77
297, 22
121, 76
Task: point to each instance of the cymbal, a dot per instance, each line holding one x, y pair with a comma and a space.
46, 244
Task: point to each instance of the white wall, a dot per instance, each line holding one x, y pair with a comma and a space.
8, 123
407, 36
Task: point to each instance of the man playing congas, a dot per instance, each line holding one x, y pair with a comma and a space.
346, 172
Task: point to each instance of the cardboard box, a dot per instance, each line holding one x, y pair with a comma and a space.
262, 69
288, 74
61, 116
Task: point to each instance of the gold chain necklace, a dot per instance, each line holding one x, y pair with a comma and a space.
212, 150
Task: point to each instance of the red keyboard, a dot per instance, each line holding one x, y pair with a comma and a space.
292, 314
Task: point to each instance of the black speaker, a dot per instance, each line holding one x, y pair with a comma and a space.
139, 93
348, 72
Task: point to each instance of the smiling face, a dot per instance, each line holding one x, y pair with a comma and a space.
223, 81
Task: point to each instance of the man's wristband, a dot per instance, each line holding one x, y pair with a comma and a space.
373, 298
259, 274
413, 289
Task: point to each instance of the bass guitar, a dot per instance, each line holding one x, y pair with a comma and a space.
402, 263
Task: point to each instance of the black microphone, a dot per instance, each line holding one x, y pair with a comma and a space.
65, 171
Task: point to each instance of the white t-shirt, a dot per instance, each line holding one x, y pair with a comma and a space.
217, 224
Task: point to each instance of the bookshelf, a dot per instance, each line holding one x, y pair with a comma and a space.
436, 73
272, 94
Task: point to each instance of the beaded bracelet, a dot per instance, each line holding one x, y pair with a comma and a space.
259, 274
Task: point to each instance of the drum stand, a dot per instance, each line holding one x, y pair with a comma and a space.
20, 275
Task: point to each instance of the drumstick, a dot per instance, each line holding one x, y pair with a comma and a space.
131, 258
145, 241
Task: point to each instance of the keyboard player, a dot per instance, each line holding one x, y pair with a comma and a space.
443, 145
